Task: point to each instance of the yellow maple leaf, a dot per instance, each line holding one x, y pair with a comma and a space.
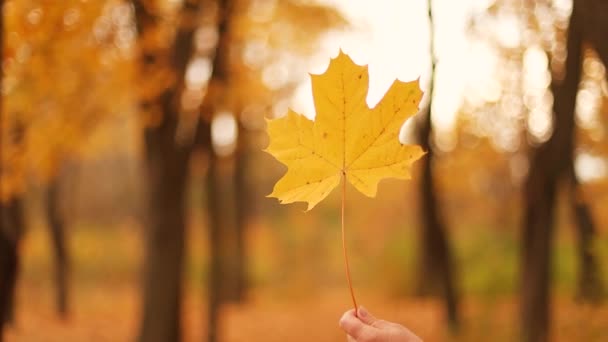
347, 139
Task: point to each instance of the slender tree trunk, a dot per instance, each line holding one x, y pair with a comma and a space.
217, 222
222, 282
595, 25
8, 271
436, 270
166, 179
243, 211
7, 250
8, 263
216, 274
537, 238
590, 286
224, 169
548, 164
225, 239
228, 217
56, 224
13, 227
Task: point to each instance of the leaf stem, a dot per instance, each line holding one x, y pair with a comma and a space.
350, 285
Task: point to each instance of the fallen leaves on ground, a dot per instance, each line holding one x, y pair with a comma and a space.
111, 314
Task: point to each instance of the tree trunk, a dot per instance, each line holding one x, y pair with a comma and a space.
58, 238
436, 271
12, 229
8, 264
8, 250
166, 169
224, 169
8, 271
537, 238
548, 163
217, 227
243, 211
590, 286
223, 264
595, 25
216, 274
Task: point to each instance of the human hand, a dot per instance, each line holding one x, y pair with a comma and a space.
366, 328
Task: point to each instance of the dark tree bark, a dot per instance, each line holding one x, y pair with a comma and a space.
8, 265
226, 258
166, 167
229, 212
590, 286
243, 202
594, 26
217, 222
214, 287
548, 163
223, 241
7, 250
166, 180
13, 226
223, 218
60, 251
436, 270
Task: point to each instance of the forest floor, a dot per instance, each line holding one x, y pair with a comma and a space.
264, 318
105, 293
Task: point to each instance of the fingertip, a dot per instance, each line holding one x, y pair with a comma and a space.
366, 317
362, 313
344, 318
341, 321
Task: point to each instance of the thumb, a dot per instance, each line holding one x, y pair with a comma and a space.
369, 319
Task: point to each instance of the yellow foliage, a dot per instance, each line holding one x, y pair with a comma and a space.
277, 36
70, 66
347, 139
67, 67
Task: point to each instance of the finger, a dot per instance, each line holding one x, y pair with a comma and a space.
348, 315
365, 316
354, 327
369, 319
347, 318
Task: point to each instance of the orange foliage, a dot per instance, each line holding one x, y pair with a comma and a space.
66, 70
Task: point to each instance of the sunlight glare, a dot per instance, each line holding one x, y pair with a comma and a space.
34, 16
589, 167
275, 76
587, 107
540, 124
224, 133
507, 30
535, 73
198, 73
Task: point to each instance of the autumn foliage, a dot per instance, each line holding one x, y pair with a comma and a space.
139, 142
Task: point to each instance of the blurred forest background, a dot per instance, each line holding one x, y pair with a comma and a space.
133, 180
